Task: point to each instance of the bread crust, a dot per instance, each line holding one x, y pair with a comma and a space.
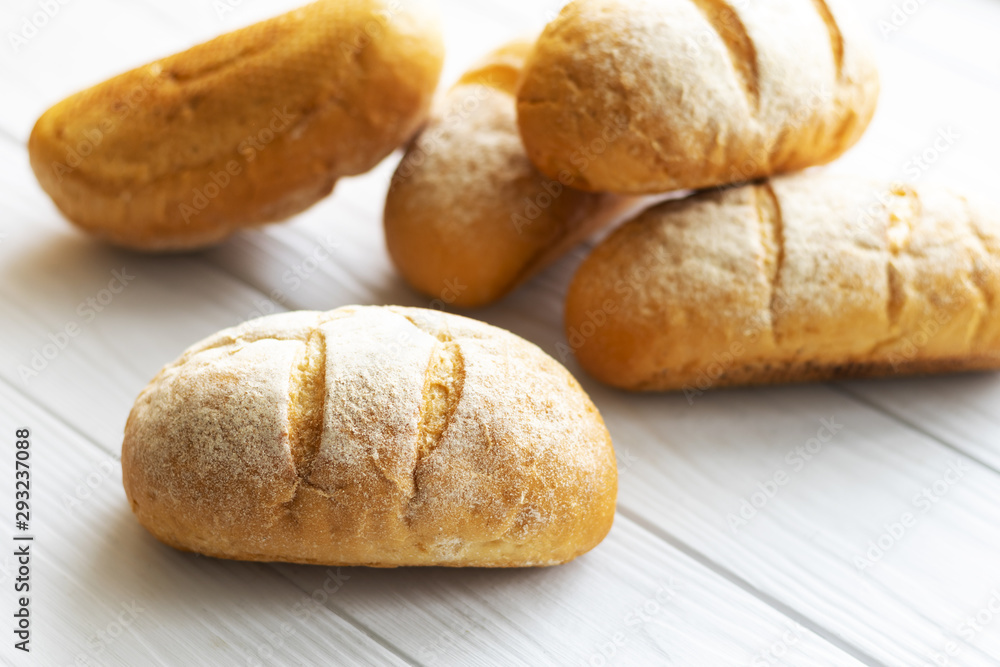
648, 96
804, 277
249, 128
468, 217
370, 436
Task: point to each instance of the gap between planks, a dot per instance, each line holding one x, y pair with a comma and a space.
912, 425
741, 583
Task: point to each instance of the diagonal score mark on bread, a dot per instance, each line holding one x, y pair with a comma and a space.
444, 381
307, 398
836, 36
773, 240
742, 52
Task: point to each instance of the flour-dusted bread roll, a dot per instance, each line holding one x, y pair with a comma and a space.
805, 277
249, 128
370, 436
644, 96
468, 217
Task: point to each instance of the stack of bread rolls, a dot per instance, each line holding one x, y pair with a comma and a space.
763, 275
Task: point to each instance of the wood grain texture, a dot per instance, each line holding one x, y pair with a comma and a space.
684, 468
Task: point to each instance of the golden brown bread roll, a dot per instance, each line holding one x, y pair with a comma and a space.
370, 436
249, 128
468, 217
805, 277
645, 96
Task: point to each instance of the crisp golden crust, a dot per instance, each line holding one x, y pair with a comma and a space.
370, 436
468, 217
647, 96
249, 128
804, 277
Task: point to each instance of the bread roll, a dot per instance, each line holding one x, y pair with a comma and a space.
468, 217
370, 436
249, 128
805, 277
644, 96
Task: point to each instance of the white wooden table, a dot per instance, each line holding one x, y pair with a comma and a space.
711, 560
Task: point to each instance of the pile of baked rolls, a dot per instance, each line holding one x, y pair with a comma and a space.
387, 436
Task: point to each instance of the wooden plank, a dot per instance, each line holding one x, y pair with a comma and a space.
744, 477
633, 600
960, 410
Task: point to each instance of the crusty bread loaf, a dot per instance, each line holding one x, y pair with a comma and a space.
249, 128
644, 96
370, 436
468, 217
805, 277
